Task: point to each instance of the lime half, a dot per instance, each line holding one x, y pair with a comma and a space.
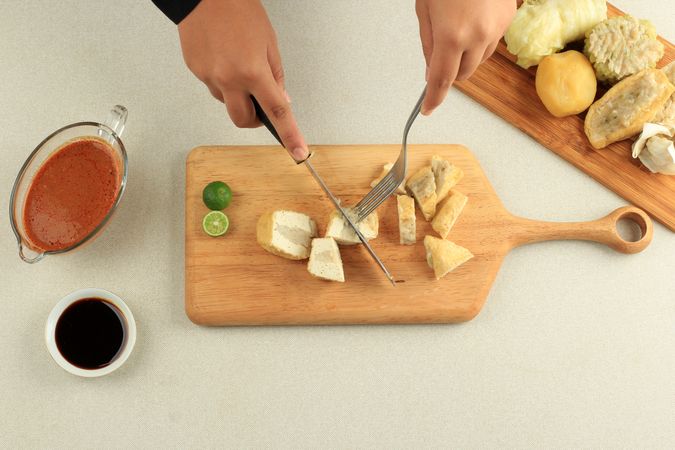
215, 223
217, 195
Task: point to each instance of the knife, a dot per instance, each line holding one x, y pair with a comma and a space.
268, 124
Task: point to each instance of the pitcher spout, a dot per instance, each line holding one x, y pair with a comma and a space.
29, 255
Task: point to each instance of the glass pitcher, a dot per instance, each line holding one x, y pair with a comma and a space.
110, 131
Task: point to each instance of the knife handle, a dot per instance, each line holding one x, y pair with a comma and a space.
268, 124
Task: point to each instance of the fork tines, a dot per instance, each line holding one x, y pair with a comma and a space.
376, 196
396, 175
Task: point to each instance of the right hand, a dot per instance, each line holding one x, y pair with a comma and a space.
457, 36
231, 47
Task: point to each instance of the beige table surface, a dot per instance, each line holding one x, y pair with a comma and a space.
574, 348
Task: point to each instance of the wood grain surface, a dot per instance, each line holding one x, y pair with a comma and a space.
231, 280
508, 90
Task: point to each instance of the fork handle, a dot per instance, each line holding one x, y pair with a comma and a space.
270, 127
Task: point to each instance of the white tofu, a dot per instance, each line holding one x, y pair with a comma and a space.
446, 176
422, 186
444, 256
385, 170
286, 233
325, 261
448, 213
339, 229
406, 219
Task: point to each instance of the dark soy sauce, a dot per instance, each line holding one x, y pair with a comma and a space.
90, 333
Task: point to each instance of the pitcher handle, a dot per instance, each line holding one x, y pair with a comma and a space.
117, 118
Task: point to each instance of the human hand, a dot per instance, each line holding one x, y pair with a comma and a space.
457, 36
231, 47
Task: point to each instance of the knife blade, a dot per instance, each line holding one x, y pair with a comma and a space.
270, 127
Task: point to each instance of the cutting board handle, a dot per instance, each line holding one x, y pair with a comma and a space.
526, 231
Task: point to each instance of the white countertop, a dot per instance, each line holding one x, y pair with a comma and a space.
575, 346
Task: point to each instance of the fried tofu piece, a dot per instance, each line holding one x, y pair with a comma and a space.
444, 256
325, 261
669, 70
385, 170
446, 176
422, 186
339, 229
667, 114
625, 108
448, 213
286, 233
406, 219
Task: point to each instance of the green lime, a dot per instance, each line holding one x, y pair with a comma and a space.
217, 195
215, 223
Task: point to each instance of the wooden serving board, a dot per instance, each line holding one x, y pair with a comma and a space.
508, 90
231, 280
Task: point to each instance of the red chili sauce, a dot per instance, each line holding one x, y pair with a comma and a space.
71, 194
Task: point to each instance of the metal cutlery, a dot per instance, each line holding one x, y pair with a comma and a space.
390, 182
268, 124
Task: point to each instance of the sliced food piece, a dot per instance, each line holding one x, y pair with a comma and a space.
625, 108
622, 46
406, 219
286, 233
422, 186
444, 256
339, 229
446, 176
385, 170
325, 261
449, 212
215, 223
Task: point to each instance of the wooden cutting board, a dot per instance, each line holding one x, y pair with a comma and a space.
508, 90
231, 280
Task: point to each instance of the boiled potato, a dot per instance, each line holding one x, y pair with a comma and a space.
566, 83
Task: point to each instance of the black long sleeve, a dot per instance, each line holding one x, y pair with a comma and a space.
176, 10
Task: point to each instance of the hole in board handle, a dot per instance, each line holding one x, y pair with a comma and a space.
631, 227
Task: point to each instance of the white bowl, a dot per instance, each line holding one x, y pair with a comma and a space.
65, 302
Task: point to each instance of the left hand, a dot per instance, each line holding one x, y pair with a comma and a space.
457, 36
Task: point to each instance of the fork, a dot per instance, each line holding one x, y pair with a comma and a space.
390, 182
